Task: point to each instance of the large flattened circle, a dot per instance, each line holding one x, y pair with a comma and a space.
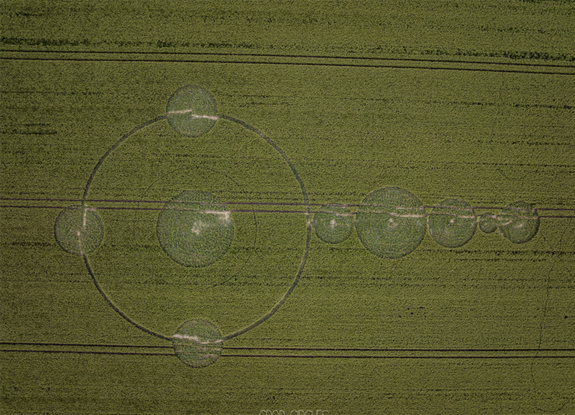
390, 222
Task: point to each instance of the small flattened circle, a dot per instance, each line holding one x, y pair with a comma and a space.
488, 222
198, 343
192, 111
519, 222
79, 230
333, 224
452, 223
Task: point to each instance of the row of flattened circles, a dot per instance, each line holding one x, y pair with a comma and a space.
391, 222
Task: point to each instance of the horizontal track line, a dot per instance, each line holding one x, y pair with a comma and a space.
277, 56
84, 352
294, 356
295, 204
340, 349
328, 65
397, 357
345, 349
85, 345
251, 211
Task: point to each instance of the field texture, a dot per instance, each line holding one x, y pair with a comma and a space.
317, 103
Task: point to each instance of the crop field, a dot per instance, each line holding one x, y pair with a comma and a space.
259, 207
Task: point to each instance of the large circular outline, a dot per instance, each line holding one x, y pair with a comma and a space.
304, 257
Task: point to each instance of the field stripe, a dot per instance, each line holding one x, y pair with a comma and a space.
335, 65
290, 56
337, 62
298, 356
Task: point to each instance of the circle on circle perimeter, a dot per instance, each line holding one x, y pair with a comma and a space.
390, 222
198, 343
194, 229
452, 223
192, 111
79, 230
333, 224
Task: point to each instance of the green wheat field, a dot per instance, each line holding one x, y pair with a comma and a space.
446, 99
